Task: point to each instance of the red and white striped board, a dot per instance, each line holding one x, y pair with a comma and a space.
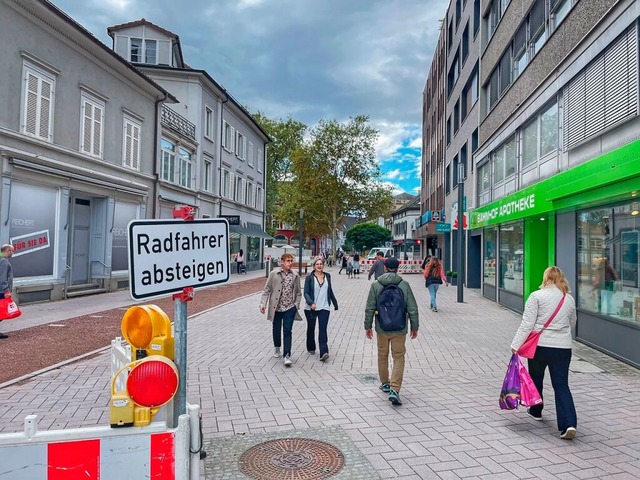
406, 266
138, 456
97, 453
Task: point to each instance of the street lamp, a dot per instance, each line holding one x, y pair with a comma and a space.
300, 243
460, 232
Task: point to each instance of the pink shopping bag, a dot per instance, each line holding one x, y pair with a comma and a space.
529, 395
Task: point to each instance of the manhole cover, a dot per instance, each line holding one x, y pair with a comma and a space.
291, 458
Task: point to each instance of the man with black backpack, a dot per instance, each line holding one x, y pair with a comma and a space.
390, 302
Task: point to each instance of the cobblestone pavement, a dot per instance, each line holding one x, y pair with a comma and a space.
449, 427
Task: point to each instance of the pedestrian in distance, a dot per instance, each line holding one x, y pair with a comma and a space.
6, 275
389, 304
282, 294
377, 268
434, 277
318, 296
554, 346
356, 266
350, 268
345, 263
240, 262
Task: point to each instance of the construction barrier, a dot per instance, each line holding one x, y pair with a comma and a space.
95, 453
154, 451
406, 266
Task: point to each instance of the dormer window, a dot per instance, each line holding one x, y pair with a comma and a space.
143, 51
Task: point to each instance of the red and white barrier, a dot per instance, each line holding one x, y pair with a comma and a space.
406, 266
95, 453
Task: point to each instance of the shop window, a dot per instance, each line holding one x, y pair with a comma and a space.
511, 259
608, 251
489, 268
253, 249
34, 240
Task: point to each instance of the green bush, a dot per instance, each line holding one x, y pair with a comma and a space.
452, 274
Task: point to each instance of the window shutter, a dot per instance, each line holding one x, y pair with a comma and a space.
621, 67
135, 158
87, 114
232, 140
97, 131
595, 96
128, 144
45, 109
604, 93
31, 117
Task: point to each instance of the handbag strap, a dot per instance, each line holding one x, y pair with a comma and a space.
546, 324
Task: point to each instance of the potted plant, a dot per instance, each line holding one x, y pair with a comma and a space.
452, 277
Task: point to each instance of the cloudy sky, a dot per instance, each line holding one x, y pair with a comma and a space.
310, 59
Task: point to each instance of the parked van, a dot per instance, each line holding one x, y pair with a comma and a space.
387, 252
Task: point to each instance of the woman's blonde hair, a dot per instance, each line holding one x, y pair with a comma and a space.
555, 276
317, 259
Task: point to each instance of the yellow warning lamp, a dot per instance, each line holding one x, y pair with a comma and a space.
152, 383
148, 329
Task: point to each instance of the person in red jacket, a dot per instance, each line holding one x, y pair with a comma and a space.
434, 277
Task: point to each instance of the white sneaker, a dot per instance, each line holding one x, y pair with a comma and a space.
276, 353
287, 361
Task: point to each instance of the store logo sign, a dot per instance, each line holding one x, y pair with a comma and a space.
517, 206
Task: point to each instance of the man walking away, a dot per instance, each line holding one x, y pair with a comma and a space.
389, 304
6, 275
377, 268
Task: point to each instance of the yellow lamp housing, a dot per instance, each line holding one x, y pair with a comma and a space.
148, 328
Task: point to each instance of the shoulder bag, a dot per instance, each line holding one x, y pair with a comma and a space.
528, 348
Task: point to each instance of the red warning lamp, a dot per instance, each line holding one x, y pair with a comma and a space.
152, 383
148, 329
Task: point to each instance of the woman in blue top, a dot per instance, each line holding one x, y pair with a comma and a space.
318, 296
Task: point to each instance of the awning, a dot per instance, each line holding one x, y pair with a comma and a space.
249, 232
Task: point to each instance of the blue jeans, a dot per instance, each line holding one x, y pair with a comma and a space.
557, 359
283, 322
433, 291
323, 321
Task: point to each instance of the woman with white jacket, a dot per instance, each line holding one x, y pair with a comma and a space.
554, 347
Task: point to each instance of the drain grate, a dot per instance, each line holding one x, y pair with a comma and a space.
291, 458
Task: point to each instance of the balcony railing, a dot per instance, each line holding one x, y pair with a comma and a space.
177, 122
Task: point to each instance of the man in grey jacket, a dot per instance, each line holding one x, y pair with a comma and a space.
378, 267
396, 339
6, 274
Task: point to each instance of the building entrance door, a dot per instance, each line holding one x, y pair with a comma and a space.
80, 240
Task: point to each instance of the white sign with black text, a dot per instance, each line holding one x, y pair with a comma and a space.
166, 256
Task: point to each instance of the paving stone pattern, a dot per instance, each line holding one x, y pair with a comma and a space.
449, 427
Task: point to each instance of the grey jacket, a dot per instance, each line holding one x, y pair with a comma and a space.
372, 303
6, 275
377, 269
273, 289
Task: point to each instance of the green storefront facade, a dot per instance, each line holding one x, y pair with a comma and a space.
585, 220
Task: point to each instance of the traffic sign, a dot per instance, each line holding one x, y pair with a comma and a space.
387, 244
167, 256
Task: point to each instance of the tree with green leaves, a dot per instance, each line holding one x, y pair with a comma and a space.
365, 236
286, 136
334, 175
